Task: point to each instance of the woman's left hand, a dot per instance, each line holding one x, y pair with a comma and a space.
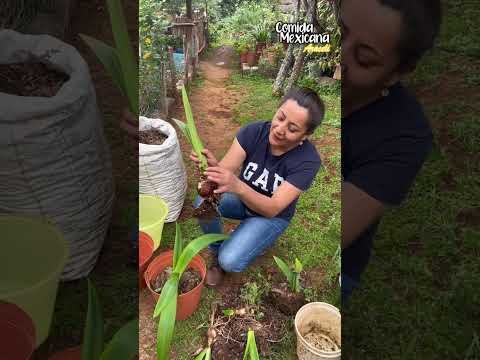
226, 180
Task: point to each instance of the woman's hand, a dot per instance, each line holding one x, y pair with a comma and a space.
226, 180
129, 124
211, 159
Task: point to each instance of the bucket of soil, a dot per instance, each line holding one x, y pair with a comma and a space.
145, 252
17, 332
318, 330
35, 255
152, 214
191, 282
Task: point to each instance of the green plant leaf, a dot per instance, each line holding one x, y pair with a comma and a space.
285, 269
109, 58
192, 131
251, 347
124, 344
298, 266
178, 247
93, 331
193, 248
166, 326
168, 294
206, 354
125, 52
182, 126
228, 312
295, 285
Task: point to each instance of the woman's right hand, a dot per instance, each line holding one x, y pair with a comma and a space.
211, 159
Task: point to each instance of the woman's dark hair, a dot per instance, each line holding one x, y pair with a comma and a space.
309, 100
421, 25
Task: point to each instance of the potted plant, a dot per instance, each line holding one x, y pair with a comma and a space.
262, 37
243, 50
146, 247
274, 53
251, 54
123, 345
170, 305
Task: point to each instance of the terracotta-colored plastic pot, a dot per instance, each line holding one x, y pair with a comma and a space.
243, 57
73, 353
187, 303
251, 58
17, 332
145, 252
259, 48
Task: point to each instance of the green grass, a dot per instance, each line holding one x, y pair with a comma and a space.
419, 297
260, 104
313, 236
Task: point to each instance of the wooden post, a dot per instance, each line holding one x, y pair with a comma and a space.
173, 72
189, 9
164, 90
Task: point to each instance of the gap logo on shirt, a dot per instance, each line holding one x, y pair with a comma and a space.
260, 179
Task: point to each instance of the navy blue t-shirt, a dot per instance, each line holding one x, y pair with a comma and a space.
264, 172
384, 146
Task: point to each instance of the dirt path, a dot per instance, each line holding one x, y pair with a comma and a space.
212, 103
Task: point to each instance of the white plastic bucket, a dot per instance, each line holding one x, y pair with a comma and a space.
327, 318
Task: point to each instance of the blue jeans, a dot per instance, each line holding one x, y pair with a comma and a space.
348, 285
251, 238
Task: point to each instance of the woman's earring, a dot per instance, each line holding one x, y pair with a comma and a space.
385, 92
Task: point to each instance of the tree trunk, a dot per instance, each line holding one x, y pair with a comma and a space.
283, 72
297, 68
189, 9
300, 59
287, 61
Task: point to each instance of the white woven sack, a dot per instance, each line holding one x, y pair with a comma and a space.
54, 161
161, 169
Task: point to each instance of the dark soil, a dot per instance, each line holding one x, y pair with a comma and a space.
286, 301
206, 211
206, 188
30, 79
189, 280
151, 137
321, 341
269, 324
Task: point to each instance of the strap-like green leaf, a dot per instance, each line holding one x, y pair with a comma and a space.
93, 331
298, 266
178, 247
109, 58
285, 269
192, 130
206, 354
182, 126
125, 52
124, 344
166, 326
168, 294
251, 347
193, 248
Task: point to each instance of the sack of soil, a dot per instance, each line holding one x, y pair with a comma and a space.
54, 158
161, 169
